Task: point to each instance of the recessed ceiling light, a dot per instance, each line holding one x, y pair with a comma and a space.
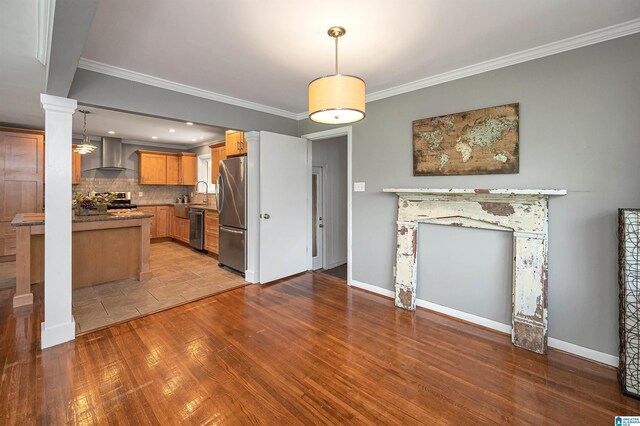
172, 130
189, 123
201, 137
154, 137
193, 140
111, 132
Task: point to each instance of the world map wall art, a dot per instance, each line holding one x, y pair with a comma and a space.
479, 142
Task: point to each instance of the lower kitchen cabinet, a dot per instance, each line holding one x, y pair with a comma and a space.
161, 221
211, 236
181, 229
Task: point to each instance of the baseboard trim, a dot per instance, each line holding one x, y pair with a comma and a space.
561, 345
373, 289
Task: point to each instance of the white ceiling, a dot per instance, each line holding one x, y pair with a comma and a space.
22, 76
140, 128
267, 51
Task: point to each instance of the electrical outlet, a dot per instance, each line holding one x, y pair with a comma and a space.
140, 194
358, 187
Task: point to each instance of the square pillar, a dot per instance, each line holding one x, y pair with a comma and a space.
58, 326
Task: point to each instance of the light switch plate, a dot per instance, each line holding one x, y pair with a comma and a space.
358, 187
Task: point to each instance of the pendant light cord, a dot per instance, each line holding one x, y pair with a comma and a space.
337, 55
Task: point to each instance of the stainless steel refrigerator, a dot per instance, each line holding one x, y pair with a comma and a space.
232, 208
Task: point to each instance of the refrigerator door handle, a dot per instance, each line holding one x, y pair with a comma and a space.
220, 195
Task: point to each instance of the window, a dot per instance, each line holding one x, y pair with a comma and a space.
204, 173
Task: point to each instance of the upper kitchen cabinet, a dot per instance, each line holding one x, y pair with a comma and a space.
218, 153
152, 168
173, 170
76, 162
188, 173
235, 143
21, 180
167, 168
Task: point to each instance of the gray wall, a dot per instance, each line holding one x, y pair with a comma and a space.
332, 153
579, 130
101, 90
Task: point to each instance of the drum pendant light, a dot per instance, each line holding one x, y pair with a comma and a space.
337, 98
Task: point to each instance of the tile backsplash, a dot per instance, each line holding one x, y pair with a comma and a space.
151, 193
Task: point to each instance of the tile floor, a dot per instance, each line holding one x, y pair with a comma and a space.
180, 274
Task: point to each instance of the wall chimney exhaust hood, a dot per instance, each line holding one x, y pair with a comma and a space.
112, 154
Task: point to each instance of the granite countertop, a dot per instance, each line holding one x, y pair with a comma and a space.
32, 219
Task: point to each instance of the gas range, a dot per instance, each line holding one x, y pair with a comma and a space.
120, 201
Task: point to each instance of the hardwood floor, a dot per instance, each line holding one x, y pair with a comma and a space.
308, 350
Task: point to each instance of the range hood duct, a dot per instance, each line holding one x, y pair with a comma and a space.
112, 154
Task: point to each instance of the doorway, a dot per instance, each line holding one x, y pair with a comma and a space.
329, 195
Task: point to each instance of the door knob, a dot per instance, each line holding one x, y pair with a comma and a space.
266, 216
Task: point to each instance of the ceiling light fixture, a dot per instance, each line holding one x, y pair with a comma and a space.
189, 123
154, 137
193, 140
86, 147
336, 98
111, 132
172, 130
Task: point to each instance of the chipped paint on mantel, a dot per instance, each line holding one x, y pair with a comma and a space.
521, 211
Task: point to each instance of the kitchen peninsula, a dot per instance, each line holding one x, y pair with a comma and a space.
106, 248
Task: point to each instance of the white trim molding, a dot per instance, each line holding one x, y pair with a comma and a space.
561, 345
150, 80
45, 29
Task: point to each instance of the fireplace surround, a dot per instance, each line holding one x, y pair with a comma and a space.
524, 212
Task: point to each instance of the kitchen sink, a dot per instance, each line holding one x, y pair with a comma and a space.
181, 210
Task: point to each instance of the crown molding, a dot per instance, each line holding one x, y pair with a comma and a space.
150, 80
576, 42
571, 43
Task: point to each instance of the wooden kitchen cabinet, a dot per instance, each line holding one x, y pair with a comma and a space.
211, 233
76, 167
167, 168
181, 230
163, 221
152, 168
21, 180
235, 143
173, 169
218, 153
188, 172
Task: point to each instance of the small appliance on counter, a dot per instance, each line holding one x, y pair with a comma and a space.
231, 202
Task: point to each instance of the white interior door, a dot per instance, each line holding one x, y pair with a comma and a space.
284, 212
317, 215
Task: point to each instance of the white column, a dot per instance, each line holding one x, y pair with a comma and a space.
58, 326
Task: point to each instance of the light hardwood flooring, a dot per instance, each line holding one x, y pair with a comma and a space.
180, 275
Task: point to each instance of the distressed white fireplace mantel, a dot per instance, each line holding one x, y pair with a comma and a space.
521, 211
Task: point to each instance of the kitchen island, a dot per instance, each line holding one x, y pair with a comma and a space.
106, 248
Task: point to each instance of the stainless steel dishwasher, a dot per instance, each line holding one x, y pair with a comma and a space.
196, 229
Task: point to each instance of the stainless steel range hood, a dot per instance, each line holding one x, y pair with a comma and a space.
112, 154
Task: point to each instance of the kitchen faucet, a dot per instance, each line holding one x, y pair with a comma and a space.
206, 188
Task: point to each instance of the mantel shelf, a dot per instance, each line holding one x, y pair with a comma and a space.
467, 191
